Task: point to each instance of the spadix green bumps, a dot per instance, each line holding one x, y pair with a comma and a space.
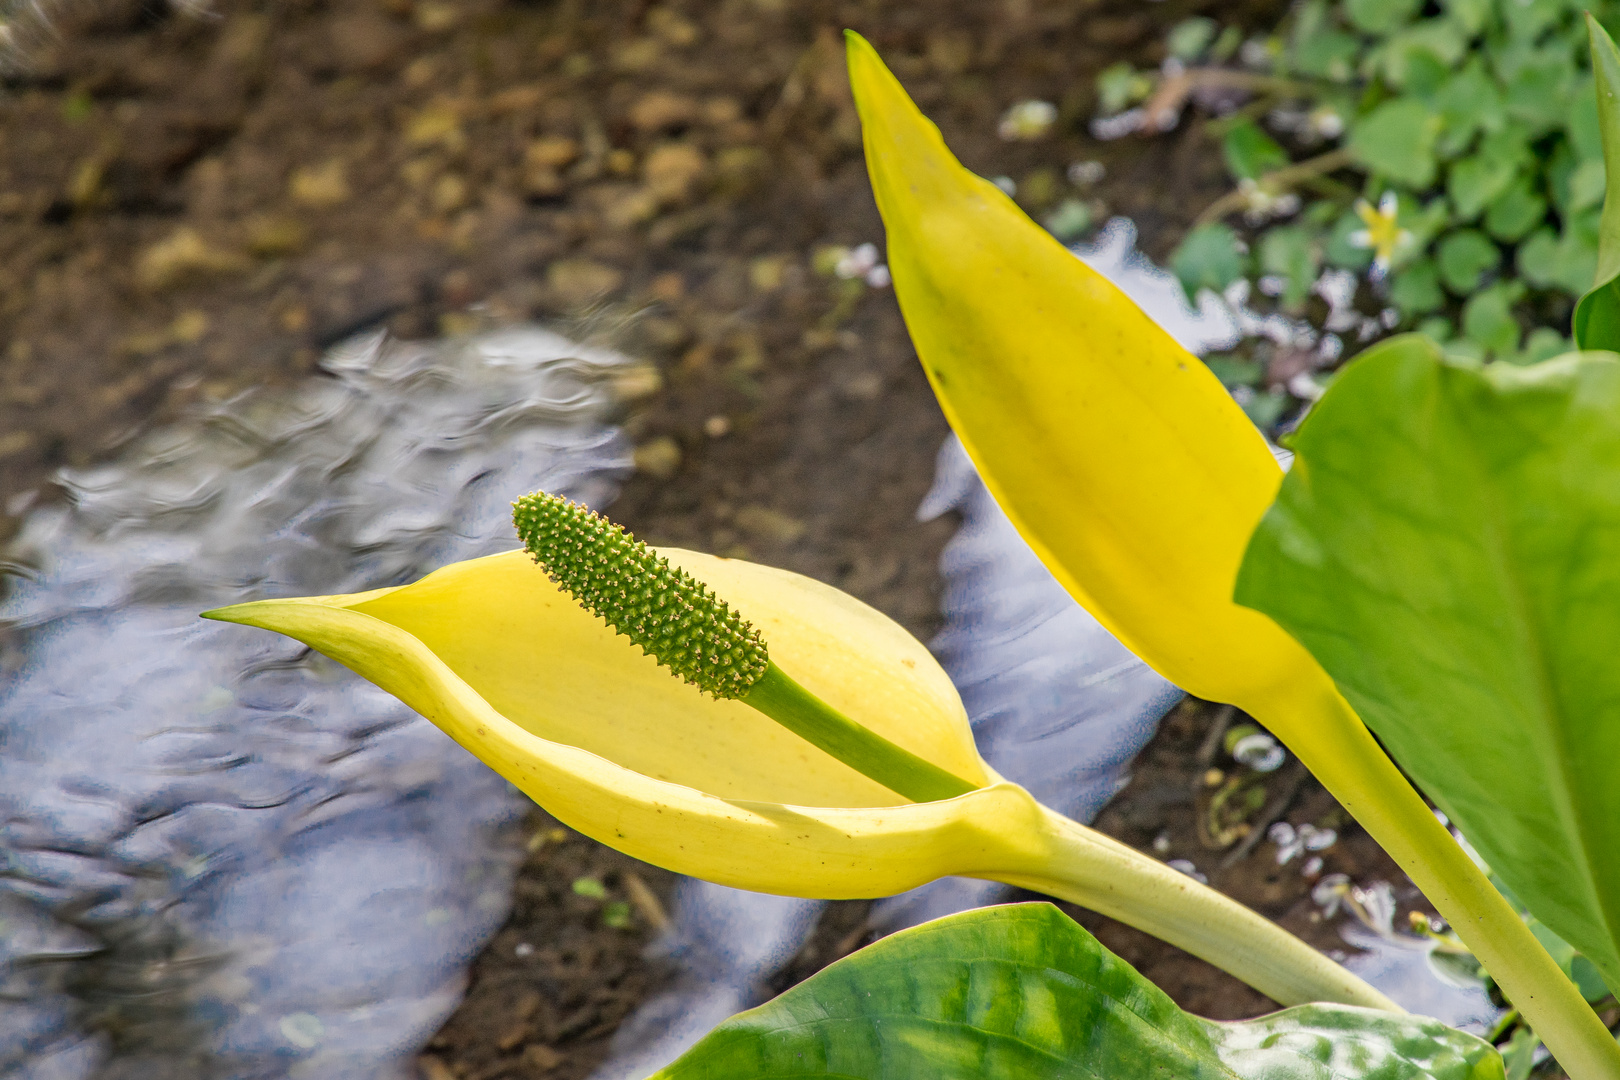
676, 619
682, 624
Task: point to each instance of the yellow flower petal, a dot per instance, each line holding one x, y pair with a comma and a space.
618, 748
573, 715
514, 643
1118, 454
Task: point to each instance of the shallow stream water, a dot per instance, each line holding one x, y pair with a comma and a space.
224, 855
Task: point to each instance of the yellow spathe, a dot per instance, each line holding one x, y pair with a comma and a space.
1117, 453
617, 747
575, 716
542, 661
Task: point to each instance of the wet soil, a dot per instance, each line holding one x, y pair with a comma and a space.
198, 199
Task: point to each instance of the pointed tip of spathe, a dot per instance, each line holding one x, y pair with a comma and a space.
234, 613
904, 149
878, 94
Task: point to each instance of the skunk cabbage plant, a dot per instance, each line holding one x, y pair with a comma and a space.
1441, 561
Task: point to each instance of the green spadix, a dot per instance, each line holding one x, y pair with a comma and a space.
682, 624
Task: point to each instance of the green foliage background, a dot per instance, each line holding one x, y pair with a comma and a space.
1478, 114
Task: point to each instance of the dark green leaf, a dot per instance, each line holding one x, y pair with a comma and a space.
1397, 139
1423, 221
1419, 57
1415, 290
1578, 253
1520, 1056
1542, 343
1208, 258
1539, 94
1328, 55
1235, 370
1475, 181
1584, 128
1561, 165
1597, 316
1290, 252
1526, 20
1448, 547
1023, 993
1250, 152
1564, 261
1467, 102
1488, 318
1586, 184
1510, 142
1537, 260
1516, 211
1381, 16
1463, 257
1437, 328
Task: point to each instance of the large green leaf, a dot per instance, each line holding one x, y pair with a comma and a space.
1447, 546
1023, 992
1597, 316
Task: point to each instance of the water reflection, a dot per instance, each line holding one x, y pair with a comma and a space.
1419, 978
224, 855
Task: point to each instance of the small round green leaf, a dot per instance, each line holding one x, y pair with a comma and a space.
1397, 139
1463, 258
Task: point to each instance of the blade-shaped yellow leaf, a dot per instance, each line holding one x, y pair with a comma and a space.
1119, 456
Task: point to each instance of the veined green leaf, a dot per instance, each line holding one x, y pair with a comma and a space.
1597, 316
1448, 547
1024, 992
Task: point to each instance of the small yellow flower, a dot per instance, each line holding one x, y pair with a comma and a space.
1383, 233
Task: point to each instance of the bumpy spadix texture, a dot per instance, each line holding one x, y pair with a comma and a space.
676, 619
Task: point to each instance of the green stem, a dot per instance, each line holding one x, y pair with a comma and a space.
807, 716
1095, 871
1068, 860
1342, 753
